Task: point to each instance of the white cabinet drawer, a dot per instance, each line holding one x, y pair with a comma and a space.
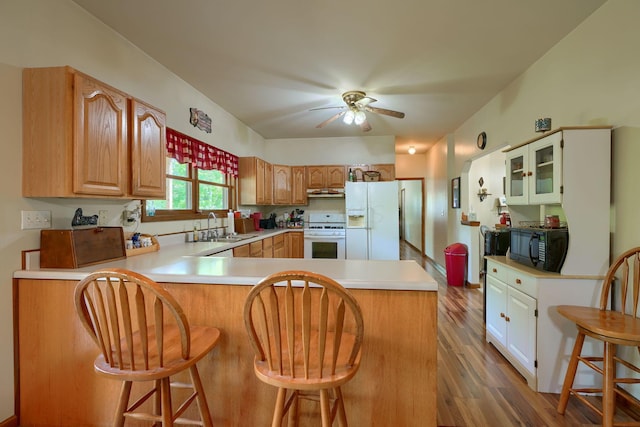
498, 271
523, 282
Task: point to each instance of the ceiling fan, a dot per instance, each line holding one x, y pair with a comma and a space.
357, 103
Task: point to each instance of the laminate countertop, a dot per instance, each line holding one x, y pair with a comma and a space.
206, 263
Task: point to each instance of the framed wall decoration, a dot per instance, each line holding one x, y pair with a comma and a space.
455, 193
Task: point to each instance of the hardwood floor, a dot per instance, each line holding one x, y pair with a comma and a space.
476, 385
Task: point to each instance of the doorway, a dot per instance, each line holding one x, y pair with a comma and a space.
411, 212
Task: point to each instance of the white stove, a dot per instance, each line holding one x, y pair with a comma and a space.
324, 235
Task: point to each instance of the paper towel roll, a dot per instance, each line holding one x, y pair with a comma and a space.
230, 223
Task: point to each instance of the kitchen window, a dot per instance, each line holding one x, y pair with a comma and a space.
191, 193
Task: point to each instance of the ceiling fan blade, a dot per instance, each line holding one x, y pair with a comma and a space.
361, 103
384, 111
365, 126
327, 108
330, 119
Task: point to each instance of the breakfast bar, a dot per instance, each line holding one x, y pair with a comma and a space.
396, 383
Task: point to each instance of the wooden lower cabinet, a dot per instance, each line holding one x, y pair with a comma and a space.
255, 249
295, 244
242, 251
284, 245
267, 247
279, 249
395, 385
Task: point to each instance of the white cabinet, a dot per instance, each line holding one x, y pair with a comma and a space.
511, 321
534, 172
523, 324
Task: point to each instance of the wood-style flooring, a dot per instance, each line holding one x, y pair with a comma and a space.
476, 384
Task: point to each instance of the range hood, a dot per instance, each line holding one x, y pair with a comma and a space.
326, 192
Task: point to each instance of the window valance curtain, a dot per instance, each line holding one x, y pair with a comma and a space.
186, 149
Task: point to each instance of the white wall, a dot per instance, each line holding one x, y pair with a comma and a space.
49, 33
589, 78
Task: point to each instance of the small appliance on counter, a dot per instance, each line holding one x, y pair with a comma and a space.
537, 246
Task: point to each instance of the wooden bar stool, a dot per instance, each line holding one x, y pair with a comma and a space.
143, 335
307, 331
614, 328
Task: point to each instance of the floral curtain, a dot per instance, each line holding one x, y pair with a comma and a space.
186, 149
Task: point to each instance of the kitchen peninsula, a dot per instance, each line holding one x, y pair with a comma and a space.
396, 383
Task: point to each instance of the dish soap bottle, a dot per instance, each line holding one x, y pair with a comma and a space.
350, 175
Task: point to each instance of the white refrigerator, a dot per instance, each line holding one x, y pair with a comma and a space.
372, 229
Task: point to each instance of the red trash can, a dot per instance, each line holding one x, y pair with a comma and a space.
456, 264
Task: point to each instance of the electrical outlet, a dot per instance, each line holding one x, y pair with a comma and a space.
35, 220
102, 218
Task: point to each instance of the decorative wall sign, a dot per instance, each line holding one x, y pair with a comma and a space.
199, 119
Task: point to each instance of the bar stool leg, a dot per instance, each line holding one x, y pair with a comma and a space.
608, 392
571, 374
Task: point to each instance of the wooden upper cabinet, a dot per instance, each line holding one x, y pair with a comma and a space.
268, 184
298, 185
281, 185
100, 138
255, 181
148, 158
387, 171
332, 176
76, 138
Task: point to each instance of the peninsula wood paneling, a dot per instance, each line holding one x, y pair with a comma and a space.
396, 383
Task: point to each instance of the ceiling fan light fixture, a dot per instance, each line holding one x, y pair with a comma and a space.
412, 150
360, 117
349, 117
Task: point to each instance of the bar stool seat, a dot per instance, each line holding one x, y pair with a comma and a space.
307, 333
143, 335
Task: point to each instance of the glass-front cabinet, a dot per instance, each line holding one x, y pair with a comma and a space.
534, 172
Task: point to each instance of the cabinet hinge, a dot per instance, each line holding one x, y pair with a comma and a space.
535, 312
562, 189
562, 143
535, 364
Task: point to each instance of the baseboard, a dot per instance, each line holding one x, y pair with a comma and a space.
12, 421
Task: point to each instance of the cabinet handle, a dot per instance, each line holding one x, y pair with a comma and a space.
518, 282
529, 173
495, 270
507, 319
502, 315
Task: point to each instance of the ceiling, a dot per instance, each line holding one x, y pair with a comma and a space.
269, 63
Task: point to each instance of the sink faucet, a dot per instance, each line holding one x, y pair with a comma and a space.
209, 233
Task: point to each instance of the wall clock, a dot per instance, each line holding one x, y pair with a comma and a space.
482, 140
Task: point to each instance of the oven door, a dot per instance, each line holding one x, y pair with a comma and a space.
328, 247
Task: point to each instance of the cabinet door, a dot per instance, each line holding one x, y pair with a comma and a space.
241, 251
516, 177
100, 138
387, 171
316, 177
295, 245
335, 176
255, 249
268, 183
521, 334
148, 157
281, 185
260, 182
545, 165
267, 247
496, 309
298, 185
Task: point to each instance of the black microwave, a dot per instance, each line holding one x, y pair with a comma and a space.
541, 248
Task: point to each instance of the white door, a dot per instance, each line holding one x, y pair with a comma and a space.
521, 333
496, 310
356, 243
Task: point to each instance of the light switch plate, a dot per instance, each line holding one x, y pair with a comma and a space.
35, 220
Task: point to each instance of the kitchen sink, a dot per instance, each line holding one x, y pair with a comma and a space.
229, 239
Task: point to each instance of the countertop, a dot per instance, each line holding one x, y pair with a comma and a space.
180, 262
